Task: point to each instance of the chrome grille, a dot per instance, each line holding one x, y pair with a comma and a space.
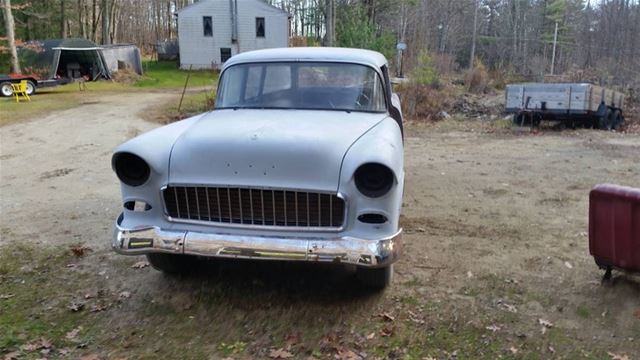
262, 207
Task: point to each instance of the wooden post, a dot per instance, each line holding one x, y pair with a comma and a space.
185, 88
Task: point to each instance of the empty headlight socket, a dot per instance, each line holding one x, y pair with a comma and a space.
137, 205
372, 218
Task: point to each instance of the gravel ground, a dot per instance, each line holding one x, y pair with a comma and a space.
496, 260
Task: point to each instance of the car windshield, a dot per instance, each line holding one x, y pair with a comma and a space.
300, 85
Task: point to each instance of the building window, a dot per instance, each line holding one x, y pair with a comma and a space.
207, 26
259, 27
225, 54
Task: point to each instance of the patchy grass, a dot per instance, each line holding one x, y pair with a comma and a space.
240, 310
193, 103
161, 75
34, 293
58, 98
461, 123
166, 75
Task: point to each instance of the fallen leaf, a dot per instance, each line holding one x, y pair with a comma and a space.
41, 343
73, 334
545, 323
345, 354
29, 347
80, 250
387, 330
292, 339
513, 350
11, 356
76, 306
552, 349
493, 328
90, 357
469, 274
387, 317
45, 343
140, 265
98, 307
371, 336
124, 295
509, 308
617, 357
328, 342
637, 313
280, 354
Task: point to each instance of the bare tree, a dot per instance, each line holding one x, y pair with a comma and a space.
10, 29
105, 21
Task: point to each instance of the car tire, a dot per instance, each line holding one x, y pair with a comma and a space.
377, 278
5, 89
171, 263
31, 87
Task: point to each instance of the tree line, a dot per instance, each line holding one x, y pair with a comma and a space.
519, 37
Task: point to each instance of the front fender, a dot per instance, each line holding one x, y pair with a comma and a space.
381, 144
155, 148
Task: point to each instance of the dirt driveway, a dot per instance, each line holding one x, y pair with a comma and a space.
496, 260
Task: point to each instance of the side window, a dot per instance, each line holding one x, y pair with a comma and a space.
225, 54
207, 26
260, 27
377, 92
277, 78
232, 83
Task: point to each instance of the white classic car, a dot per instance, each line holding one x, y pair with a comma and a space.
301, 159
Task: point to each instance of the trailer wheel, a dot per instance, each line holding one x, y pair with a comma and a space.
605, 121
616, 119
6, 89
31, 88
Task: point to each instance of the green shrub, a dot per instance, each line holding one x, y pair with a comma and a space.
425, 73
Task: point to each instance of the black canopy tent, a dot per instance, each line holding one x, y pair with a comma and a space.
65, 59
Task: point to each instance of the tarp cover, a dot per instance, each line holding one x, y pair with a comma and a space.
63, 58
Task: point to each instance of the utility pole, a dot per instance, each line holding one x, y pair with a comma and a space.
553, 54
475, 31
10, 27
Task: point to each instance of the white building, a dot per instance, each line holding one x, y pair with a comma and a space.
211, 31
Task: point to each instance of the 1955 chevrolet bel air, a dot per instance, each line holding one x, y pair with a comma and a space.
301, 159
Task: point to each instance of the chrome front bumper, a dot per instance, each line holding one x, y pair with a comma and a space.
347, 250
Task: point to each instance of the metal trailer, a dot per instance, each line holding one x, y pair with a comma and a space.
32, 83
572, 103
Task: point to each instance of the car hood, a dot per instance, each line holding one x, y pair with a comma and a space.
293, 149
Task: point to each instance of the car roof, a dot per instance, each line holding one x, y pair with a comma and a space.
319, 54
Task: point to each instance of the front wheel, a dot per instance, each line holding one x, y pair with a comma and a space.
6, 89
171, 263
377, 278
